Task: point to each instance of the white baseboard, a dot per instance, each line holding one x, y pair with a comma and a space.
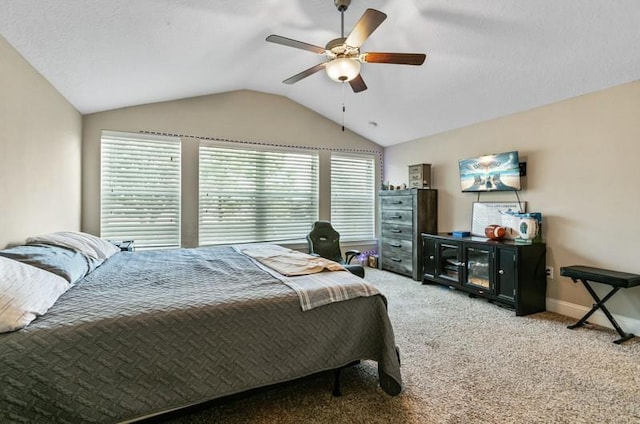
629, 325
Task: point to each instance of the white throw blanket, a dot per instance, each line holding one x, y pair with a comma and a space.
288, 262
326, 287
303, 273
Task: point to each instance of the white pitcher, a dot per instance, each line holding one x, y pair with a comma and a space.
528, 228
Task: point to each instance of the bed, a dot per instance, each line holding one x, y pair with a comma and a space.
152, 331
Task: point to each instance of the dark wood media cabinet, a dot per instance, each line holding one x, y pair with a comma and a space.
507, 272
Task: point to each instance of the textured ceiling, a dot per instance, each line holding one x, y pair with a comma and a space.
486, 58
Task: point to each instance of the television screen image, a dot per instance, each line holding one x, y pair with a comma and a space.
496, 172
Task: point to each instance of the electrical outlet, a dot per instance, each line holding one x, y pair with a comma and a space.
549, 271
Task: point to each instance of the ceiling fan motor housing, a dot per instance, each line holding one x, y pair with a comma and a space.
338, 48
342, 5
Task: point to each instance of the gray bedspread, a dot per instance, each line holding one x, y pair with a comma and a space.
151, 331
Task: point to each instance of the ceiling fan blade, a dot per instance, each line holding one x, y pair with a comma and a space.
369, 21
357, 84
295, 43
396, 58
305, 73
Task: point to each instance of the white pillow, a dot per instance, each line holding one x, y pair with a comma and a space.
87, 244
26, 292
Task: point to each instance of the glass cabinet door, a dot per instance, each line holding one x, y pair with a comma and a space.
449, 262
479, 268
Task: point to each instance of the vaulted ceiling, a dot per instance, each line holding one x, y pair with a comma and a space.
485, 58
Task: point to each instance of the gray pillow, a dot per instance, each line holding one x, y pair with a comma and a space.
66, 263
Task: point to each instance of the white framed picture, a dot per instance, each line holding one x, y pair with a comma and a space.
498, 213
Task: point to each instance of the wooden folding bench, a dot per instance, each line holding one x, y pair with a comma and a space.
618, 280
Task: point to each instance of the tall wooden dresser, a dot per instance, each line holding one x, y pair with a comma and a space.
404, 215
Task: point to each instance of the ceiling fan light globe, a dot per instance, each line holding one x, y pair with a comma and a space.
343, 69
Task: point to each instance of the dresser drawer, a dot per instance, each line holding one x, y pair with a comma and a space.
397, 202
404, 217
396, 246
398, 263
397, 231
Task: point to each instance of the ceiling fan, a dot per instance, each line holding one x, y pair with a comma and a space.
343, 54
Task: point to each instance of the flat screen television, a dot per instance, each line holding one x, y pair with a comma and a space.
496, 172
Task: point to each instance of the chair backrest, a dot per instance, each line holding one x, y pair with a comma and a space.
324, 240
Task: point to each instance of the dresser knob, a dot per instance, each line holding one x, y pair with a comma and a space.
432, 257
501, 272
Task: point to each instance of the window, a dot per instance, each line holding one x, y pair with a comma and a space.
253, 195
353, 196
140, 189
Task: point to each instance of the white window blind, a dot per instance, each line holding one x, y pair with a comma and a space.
140, 189
353, 196
252, 195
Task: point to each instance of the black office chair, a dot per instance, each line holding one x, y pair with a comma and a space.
324, 241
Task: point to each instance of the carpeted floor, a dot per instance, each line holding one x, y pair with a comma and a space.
464, 360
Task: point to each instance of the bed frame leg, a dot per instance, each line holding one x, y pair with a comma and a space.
336, 383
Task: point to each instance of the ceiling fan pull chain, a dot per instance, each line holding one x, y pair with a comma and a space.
343, 108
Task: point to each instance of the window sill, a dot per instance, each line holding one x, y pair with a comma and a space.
302, 245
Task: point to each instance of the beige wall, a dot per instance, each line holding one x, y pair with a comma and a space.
239, 115
40, 151
582, 174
